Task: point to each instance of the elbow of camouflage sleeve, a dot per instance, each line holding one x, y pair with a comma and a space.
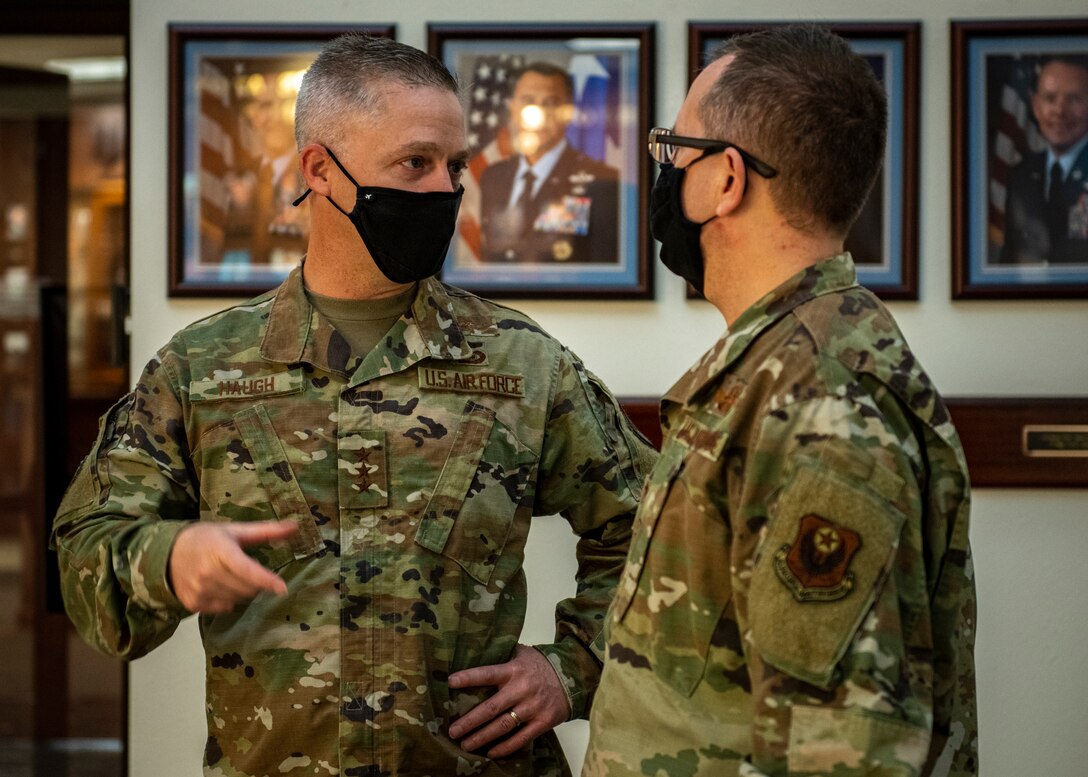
120, 602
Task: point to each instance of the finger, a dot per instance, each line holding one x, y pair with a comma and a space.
248, 577
216, 606
525, 734
500, 726
495, 674
261, 531
225, 592
216, 593
482, 713
234, 583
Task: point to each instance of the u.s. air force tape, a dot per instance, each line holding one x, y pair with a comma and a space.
439, 379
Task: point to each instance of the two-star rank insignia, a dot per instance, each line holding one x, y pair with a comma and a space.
816, 567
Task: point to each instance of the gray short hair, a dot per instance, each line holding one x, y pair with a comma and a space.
799, 98
347, 77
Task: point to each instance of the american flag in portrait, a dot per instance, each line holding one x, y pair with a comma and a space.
488, 137
595, 130
1012, 129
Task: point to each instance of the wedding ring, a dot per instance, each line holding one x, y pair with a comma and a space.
514, 715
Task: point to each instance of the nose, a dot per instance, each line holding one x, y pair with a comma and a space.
441, 180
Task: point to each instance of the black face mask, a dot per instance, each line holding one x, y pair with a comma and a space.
407, 233
678, 235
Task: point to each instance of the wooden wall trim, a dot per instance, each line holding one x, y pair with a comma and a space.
992, 430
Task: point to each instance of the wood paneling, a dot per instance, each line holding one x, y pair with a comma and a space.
992, 431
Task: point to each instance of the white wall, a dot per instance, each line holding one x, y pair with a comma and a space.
1028, 544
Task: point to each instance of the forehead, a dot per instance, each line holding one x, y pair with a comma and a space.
1063, 76
404, 115
532, 83
392, 96
688, 121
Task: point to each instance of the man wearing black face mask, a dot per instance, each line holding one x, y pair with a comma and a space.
339, 476
799, 596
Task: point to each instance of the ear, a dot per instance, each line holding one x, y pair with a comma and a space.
733, 183
316, 168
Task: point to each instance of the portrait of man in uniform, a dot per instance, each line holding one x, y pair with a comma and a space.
1046, 213
234, 168
261, 226
1020, 159
548, 202
557, 187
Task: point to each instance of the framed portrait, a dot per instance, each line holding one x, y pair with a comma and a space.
556, 189
1020, 159
884, 239
233, 161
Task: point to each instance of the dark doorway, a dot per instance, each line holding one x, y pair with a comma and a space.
63, 354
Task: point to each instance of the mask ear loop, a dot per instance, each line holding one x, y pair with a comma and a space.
305, 194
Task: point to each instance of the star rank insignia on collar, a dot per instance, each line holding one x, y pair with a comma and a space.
816, 567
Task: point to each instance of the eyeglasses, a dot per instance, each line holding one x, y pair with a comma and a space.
663, 144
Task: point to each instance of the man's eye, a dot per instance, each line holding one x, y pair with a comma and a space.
456, 168
416, 163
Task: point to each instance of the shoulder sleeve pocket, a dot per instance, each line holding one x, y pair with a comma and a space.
635, 454
91, 479
830, 544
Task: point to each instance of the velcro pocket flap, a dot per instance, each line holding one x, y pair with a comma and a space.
276, 475
448, 499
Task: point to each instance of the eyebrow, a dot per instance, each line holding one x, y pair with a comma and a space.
426, 147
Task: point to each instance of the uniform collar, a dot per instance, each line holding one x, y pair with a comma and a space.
826, 276
433, 327
544, 166
1068, 159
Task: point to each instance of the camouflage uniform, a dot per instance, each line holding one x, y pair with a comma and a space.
413, 474
799, 596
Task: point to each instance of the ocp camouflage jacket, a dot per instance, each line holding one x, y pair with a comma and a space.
799, 597
413, 474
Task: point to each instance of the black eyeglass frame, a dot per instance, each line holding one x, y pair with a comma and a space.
658, 135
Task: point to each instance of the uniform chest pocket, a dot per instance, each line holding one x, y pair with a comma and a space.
677, 583
485, 480
246, 476
654, 495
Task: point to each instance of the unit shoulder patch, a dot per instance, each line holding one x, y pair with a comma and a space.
831, 542
816, 566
